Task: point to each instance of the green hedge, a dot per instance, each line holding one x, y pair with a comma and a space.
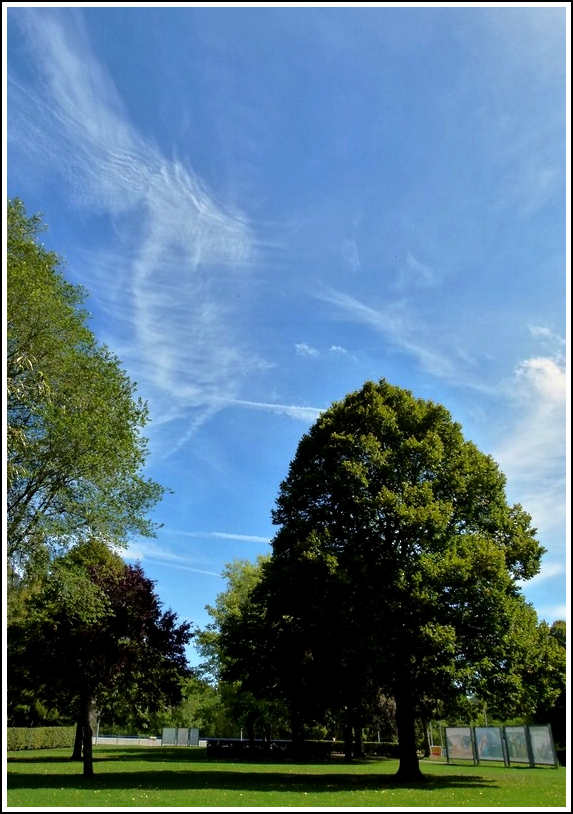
39, 737
383, 749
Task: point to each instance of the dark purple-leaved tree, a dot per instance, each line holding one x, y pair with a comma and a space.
94, 636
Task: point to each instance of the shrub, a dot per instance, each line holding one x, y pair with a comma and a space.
39, 737
383, 749
233, 748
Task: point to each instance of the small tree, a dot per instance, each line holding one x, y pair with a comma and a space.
94, 637
552, 704
226, 666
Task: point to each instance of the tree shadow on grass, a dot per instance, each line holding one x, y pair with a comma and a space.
181, 754
233, 780
156, 754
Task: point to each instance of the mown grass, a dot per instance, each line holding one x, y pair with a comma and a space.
161, 777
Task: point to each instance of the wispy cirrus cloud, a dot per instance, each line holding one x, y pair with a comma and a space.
417, 274
545, 334
394, 323
246, 538
300, 413
223, 535
181, 253
152, 552
548, 571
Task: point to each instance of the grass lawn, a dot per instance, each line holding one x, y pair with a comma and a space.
183, 777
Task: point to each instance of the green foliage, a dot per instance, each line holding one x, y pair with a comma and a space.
94, 633
395, 569
74, 446
233, 607
559, 632
241, 577
527, 674
552, 708
42, 737
201, 706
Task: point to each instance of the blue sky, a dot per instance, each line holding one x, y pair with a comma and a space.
270, 206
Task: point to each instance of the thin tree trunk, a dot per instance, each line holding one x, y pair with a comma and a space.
77, 753
358, 740
409, 768
251, 730
426, 738
347, 741
87, 740
296, 733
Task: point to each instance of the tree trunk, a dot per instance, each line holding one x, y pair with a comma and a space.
296, 733
251, 731
77, 753
88, 752
426, 738
87, 739
358, 740
409, 768
347, 742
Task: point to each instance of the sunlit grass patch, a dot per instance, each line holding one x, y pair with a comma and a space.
144, 777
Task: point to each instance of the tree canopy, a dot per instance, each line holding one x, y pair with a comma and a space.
93, 636
75, 452
396, 568
226, 668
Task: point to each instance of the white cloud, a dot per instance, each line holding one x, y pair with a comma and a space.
146, 549
223, 535
548, 571
551, 613
187, 568
306, 414
548, 336
533, 454
394, 322
544, 378
152, 552
420, 274
182, 252
247, 538
306, 350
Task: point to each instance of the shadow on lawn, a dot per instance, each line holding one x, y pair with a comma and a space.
178, 754
233, 780
156, 754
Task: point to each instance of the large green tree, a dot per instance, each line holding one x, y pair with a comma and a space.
402, 530
75, 451
93, 637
